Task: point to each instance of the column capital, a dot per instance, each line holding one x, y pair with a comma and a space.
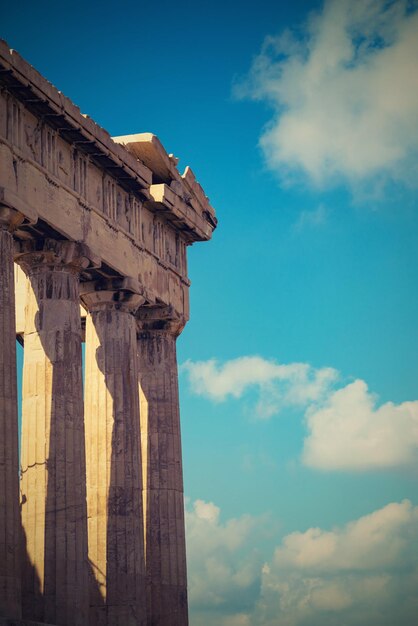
161, 319
124, 294
10, 219
74, 256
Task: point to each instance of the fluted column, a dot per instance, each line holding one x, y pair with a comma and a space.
10, 601
165, 548
54, 512
114, 481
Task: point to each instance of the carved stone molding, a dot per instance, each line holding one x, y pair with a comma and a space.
9, 218
162, 319
54, 253
119, 293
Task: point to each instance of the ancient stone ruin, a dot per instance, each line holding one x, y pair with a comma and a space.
93, 238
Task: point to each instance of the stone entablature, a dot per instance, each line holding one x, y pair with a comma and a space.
124, 198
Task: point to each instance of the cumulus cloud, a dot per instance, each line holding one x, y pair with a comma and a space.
365, 572
277, 384
224, 566
345, 93
350, 432
377, 541
346, 429
362, 573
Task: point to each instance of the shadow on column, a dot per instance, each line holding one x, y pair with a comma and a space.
124, 577
30, 576
163, 492
64, 598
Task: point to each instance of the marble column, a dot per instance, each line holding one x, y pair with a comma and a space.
10, 601
54, 511
165, 548
114, 480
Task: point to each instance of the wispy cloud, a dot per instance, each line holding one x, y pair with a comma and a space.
345, 93
364, 572
277, 385
346, 428
311, 219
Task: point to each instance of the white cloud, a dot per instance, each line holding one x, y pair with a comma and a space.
364, 572
277, 385
223, 563
345, 93
349, 432
345, 428
380, 540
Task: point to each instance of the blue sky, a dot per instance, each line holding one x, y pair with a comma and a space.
300, 362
